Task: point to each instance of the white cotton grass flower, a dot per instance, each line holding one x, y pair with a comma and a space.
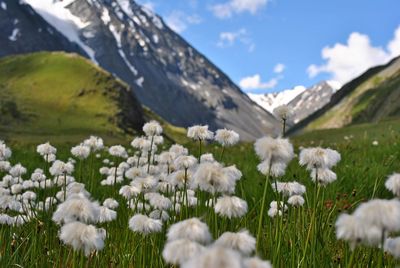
16, 189
5, 152
231, 207
185, 161
283, 112
226, 137
110, 203
159, 215
242, 242
204, 158
215, 257
142, 224
160, 202
384, 214
4, 166
46, 149
17, 170
80, 151
276, 169
129, 192
393, 184
118, 151
106, 214
318, 158
61, 168
179, 251
192, 229
274, 150
392, 246
38, 175
289, 188
296, 201
141, 143
256, 262
375, 143
198, 132
212, 177
166, 158
178, 150
77, 208
152, 128
94, 143
50, 158
145, 184
351, 229
273, 211
83, 237
323, 176
77, 188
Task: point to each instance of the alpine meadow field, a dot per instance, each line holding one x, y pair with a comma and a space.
210, 202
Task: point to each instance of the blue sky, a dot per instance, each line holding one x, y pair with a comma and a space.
271, 45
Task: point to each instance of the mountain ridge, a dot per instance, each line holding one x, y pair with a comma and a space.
170, 76
357, 97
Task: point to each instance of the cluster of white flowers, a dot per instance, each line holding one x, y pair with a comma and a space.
320, 161
77, 213
81, 151
189, 244
47, 151
275, 155
370, 223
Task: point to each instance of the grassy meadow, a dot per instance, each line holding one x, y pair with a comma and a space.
302, 237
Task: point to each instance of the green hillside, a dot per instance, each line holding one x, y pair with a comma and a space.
371, 97
44, 95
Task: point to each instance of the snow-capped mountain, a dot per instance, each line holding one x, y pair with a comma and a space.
302, 101
272, 100
313, 99
130, 41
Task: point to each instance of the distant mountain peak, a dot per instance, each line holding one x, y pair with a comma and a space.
302, 101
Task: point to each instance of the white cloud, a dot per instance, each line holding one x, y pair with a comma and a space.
227, 39
254, 82
179, 21
346, 61
279, 68
227, 9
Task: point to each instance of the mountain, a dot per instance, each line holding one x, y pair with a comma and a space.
371, 97
302, 101
270, 101
87, 100
312, 99
168, 75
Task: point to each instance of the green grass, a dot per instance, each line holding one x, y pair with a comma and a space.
64, 98
361, 175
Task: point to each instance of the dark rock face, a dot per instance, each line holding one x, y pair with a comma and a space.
168, 75
24, 31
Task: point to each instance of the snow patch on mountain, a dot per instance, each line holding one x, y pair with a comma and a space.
57, 15
14, 35
272, 100
3, 5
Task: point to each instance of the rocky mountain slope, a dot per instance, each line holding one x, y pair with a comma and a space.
371, 97
169, 76
302, 101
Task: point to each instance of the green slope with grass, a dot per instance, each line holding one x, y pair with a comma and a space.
371, 97
50, 94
